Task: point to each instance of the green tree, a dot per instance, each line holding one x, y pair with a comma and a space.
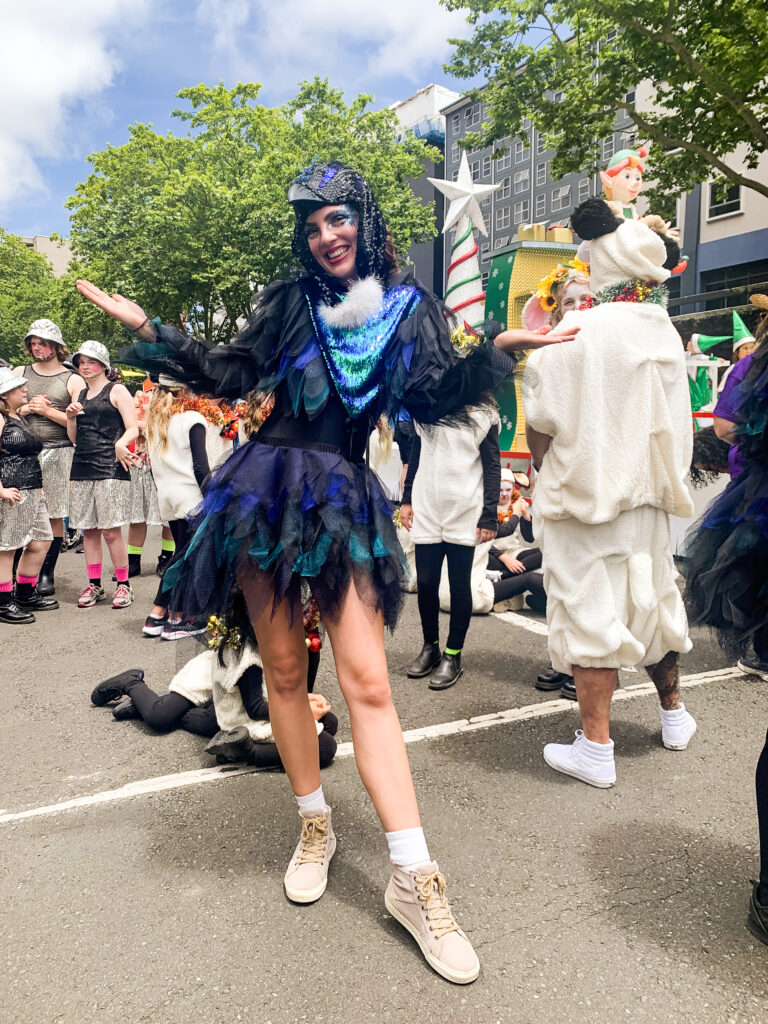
704, 63
191, 225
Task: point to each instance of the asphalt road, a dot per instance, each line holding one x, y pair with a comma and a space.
585, 905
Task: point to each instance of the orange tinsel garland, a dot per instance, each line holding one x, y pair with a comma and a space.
217, 414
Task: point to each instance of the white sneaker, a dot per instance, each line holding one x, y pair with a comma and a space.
578, 760
677, 728
307, 874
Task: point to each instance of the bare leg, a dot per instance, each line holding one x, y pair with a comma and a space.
283, 652
357, 639
594, 689
666, 678
137, 534
31, 562
92, 547
118, 551
57, 527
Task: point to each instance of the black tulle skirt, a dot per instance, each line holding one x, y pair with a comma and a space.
274, 518
725, 563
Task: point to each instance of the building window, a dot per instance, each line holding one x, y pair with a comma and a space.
502, 217
474, 169
741, 275
505, 159
506, 188
522, 152
455, 153
541, 143
522, 211
486, 167
611, 35
485, 204
583, 189
557, 97
473, 115
723, 202
456, 124
608, 148
630, 97
501, 242
484, 247
522, 181
485, 280
561, 198
455, 174
541, 205
541, 174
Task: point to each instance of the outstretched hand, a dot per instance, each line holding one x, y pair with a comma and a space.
119, 308
517, 340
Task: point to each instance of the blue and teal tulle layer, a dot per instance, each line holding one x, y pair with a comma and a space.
273, 517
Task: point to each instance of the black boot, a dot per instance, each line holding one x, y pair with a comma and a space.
162, 562
550, 679
757, 916
13, 615
422, 665
115, 686
232, 745
447, 672
30, 599
45, 585
568, 689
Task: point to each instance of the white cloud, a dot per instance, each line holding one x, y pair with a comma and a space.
54, 56
357, 44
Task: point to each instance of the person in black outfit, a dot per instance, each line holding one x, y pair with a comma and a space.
24, 521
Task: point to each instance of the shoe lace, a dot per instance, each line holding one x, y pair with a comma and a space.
431, 891
314, 838
91, 588
121, 590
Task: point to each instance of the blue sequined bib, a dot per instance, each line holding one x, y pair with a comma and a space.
353, 355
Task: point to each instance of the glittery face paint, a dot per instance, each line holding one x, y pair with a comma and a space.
573, 296
331, 233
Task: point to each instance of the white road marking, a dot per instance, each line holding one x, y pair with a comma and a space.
532, 625
462, 725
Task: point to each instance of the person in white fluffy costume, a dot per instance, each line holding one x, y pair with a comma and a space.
609, 425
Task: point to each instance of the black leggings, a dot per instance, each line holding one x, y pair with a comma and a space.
429, 563
761, 786
172, 711
511, 584
181, 533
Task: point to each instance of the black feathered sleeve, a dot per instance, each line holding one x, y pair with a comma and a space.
428, 378
234, 369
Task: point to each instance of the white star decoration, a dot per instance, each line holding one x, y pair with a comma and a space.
465, 197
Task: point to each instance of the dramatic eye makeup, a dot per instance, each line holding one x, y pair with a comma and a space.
342, 216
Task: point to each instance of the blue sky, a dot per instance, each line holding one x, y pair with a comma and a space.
75, 73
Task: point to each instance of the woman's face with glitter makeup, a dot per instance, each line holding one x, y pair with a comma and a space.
573, 296
331, 232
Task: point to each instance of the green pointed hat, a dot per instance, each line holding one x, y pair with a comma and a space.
740, 333
704, 342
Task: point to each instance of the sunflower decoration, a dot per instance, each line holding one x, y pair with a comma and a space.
548, 284
464, 338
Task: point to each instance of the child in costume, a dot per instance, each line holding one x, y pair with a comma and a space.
349, 339
726, 566
608, 421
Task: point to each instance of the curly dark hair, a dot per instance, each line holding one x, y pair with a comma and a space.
710, 457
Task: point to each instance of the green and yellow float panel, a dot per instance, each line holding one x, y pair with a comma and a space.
514, 276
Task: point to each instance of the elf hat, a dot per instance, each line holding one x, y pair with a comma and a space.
741, 336
704, 342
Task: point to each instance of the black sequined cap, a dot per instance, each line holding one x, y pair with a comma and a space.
331, 184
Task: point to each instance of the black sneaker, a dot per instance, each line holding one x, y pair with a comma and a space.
181, 630
550, 679
125, 710
754, 666
154, 625
568, 689
757, 916
232, 745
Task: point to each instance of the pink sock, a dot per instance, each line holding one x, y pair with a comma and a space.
6, 588
121, 575
94, 571
32, 580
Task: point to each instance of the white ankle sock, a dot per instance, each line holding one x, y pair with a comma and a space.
671, 717
312, 804
598, 751
408, 848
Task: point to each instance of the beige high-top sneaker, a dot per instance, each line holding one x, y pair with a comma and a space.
307, 874
417, 900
